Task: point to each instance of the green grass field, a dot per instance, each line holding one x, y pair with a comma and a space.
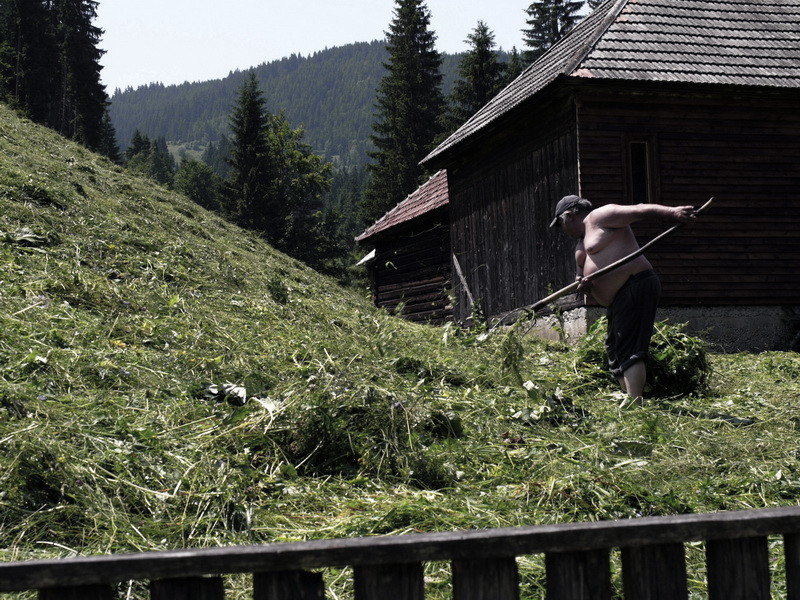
126, 312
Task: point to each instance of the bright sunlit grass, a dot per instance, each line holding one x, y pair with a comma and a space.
125, 310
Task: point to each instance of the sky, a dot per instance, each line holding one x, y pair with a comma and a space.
172, 41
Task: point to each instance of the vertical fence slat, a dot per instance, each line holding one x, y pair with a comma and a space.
86, 592
738, 569
791, 549
288, 585
188, 588
656, 572
389, 582
578, 575
495, 579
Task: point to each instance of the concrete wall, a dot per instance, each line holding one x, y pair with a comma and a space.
727, 329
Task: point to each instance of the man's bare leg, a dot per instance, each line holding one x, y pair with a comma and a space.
634, 379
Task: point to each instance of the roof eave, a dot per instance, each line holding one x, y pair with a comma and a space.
443, 159
369, 239
574, 62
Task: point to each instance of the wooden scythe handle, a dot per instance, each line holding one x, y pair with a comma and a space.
615, 265
573, 287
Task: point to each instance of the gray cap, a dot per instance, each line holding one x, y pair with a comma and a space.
568, 203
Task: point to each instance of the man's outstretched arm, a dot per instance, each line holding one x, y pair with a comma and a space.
621, 215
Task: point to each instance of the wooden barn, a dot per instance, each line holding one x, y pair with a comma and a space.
410, 267
667, 101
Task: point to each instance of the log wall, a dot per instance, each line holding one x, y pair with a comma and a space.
411, 271
501, 204
742, 150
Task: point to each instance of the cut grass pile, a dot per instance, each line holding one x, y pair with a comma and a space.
168, 380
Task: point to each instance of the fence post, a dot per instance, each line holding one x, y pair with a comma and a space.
288, 585
656, 572
389, 582
485, 579
738, 569
791, 549
85, 592
584, 575
188, 588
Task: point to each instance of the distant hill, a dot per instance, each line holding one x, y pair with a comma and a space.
330, 93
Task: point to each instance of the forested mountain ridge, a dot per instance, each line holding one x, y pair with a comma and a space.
330, 93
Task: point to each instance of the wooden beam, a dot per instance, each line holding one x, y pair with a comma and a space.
496, 579
403, 581
288, 585
374, 550
84, 592
791, 550
584, 575
655, 572
738, 569
188, 588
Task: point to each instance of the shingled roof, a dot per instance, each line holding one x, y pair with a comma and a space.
718, 42
430, 195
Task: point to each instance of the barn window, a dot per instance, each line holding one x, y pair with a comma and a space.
640, 172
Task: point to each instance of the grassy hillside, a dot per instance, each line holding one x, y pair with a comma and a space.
125, 310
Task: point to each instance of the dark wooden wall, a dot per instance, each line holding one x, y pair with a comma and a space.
744, 151
501, 203
412, 268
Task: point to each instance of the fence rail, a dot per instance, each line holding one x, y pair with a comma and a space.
577, 562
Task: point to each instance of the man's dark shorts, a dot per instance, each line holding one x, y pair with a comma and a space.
630, 321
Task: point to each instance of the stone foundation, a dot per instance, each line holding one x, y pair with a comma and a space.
726, 328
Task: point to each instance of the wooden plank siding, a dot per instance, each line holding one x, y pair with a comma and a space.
412, 269
744, 151
501, 203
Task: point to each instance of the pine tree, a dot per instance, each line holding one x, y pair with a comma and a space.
347, 188
161, 166
480, 76
82, 98
151, 158
301, 179
514, 67
549, 21
409, 104
108, 140
276, 182
49, 65
217, 156
250, 199
199, 182
27, 49
139, 143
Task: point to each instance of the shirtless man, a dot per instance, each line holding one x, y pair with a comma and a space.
629, 293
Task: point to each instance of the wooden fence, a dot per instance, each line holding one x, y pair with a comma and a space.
577, 561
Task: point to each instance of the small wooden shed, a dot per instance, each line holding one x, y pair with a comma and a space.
668, 101
411, 264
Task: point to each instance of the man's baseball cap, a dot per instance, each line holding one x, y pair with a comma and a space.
565, 204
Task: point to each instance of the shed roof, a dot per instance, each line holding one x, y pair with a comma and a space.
429, 196
719, 42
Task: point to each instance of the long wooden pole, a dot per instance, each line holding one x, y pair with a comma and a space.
573, 287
